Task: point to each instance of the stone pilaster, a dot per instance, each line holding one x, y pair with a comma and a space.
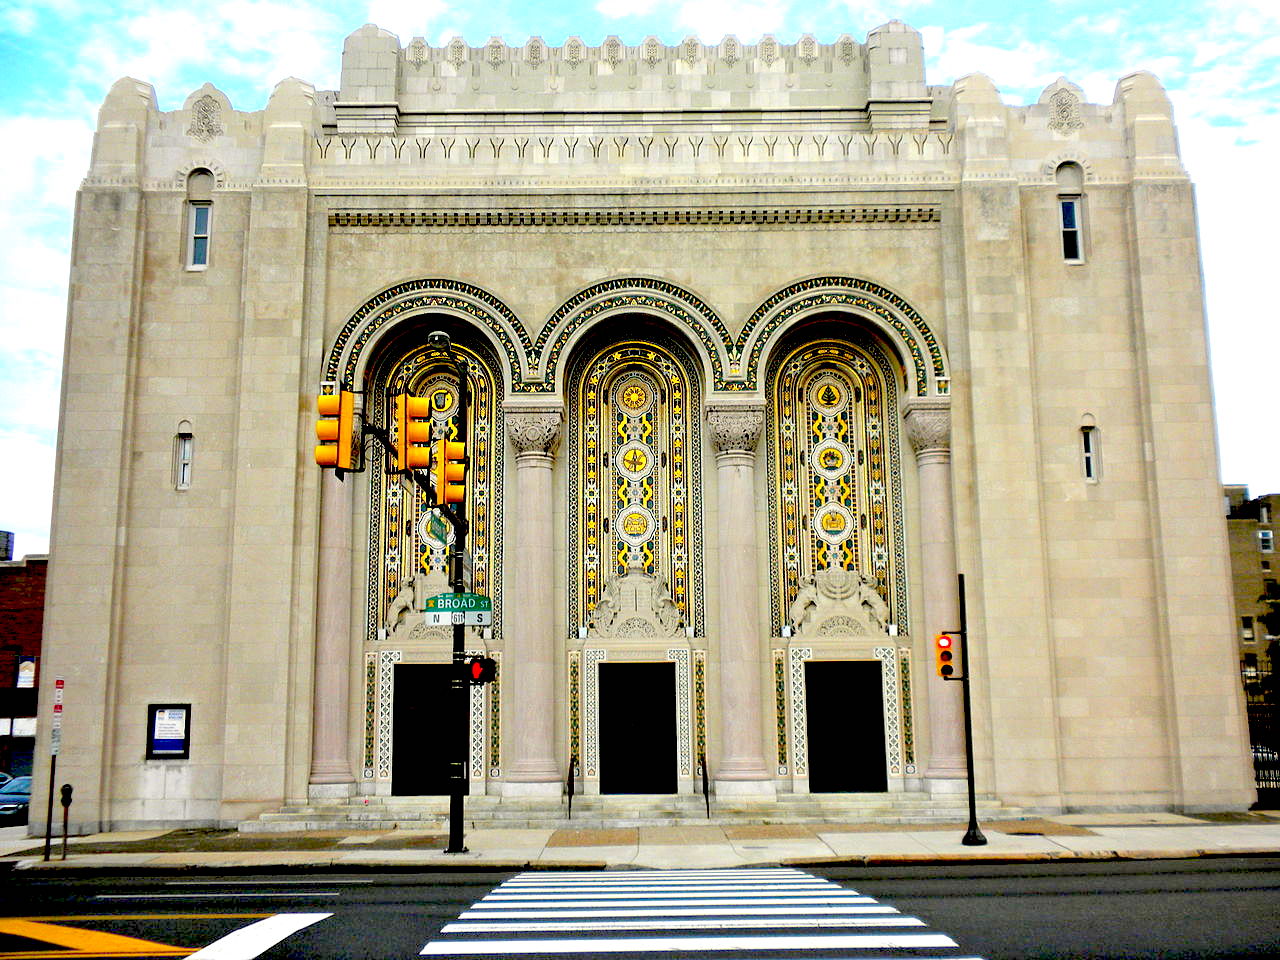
530, 634
330, 762
735, 431
928, 423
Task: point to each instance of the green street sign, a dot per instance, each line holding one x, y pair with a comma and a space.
458, 602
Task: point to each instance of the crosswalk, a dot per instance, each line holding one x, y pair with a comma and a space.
684, 911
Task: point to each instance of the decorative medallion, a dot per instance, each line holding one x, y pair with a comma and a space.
1064, 112
831, 459
635, 460
833, 523
206, 119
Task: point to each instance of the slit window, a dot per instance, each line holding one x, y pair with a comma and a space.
1089, 452
183, 456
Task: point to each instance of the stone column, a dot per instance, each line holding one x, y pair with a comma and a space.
741, 769
330, 762
529, 623
928, 422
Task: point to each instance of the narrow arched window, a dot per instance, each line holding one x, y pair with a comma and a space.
1071, 211
183, 456
1090, 452
199, 218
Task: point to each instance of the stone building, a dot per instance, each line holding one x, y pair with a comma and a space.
1251, 537
766, 343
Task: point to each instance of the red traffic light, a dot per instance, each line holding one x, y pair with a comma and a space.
943, 655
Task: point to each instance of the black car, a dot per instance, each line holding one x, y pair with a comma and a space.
15, 799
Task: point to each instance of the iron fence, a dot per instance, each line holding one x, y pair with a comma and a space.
1262, 694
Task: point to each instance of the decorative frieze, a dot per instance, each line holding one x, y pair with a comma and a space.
604, 217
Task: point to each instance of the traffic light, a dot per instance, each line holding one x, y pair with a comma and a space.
449, 472
481, 670
413, 432
944, 654
334, 430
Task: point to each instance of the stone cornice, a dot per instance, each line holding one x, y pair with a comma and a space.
631, 217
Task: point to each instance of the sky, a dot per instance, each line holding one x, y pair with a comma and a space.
1218, 59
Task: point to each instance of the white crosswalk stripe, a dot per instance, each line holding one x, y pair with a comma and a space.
667, 911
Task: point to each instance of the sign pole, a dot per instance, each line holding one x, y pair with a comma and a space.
462, 689
55, 745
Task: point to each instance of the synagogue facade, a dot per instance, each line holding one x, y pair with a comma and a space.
764, 344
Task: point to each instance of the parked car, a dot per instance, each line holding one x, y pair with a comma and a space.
15, 799
4, 778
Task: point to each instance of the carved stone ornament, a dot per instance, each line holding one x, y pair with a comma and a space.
534, 431
847, 50
574, 52
690, 50
496, 52
653, 50
206, 119
613, 52
735, 428
404, 620
635, 605
838, 602
807, 50
535, 52
457, 54
1064, 112
767, 50
416, 55
732, 51
928, 422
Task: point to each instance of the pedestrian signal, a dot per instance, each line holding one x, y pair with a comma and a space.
481, 670
335, 430
944, 655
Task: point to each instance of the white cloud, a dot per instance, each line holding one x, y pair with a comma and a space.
406, 18
1017, 66
26, 489
748, 20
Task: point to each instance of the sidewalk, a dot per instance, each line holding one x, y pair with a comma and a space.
1068, 837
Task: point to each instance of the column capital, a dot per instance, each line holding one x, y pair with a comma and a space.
534, 430
735, 427
928, 423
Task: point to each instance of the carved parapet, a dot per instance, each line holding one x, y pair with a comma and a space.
736, 428
534, 430
928, 422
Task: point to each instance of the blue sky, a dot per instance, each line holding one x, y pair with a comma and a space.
1219, 60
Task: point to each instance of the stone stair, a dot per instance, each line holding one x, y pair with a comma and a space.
604, 812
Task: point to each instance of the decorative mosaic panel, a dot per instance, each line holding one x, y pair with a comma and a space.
834, 469
700, 704
419, 296
888, 657
799, 711
575, 705
370, 713
387, 659
634, 456
592, 658
684, 732
780, 706
495, 718
406, 534
908, 725
639, 294
822, 292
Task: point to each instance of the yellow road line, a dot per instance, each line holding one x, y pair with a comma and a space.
77, 955
145, 916
89, 941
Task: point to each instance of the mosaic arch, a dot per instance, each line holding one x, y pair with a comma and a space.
834, 466
405, 535
635, 472
377, 316
655, 298
925, 372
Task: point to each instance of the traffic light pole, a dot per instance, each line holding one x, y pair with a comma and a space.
461, 688
973, 837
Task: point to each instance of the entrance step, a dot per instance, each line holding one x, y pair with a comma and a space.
608, 812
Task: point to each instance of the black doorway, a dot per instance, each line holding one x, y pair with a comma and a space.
423, 726
637, 727
846, 726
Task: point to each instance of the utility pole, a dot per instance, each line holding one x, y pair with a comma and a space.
944, 654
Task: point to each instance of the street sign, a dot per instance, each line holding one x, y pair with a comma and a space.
468, 609
55, 734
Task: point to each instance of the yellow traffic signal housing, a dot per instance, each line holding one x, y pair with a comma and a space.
334, 430
413, 432
449, 472
944, 655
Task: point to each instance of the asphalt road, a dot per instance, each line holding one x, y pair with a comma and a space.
1165, 909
